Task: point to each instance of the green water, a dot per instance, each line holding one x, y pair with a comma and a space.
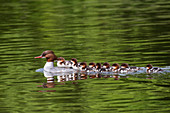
132, 31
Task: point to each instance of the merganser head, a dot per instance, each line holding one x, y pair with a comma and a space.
74, 61
92, 65
115, 66
98, 65
45, 53
83, 65
49, 55
124, 65
106, 65
149, 66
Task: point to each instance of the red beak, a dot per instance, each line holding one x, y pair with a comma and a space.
38, 57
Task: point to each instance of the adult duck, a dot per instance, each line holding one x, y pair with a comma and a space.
49, 66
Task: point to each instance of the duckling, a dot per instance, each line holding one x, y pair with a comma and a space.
105, 67
124, 68
115, 67
83, 66
74, 64
61, 62
151, 69
91, 67
98, 67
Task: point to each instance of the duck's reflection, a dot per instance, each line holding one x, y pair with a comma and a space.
61, 78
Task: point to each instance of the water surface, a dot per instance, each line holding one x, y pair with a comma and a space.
114, 31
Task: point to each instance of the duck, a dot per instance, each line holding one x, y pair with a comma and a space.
61, 62
105, 67
151, 69
115, 67
126, 68
83, 66
91, 67
98, 67
74, 64
49, 65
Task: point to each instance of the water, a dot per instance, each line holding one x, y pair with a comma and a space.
135, 32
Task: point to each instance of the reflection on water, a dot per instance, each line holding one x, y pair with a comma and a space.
64, 77
72, 76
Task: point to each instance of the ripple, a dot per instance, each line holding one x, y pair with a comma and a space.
135, 32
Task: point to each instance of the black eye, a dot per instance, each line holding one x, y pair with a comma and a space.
43, 54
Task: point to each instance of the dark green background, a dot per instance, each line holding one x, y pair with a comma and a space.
115, 31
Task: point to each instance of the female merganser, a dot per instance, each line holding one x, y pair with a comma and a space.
61, 62
105, 67
151, 69
115, 67
49, 66
75, 64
